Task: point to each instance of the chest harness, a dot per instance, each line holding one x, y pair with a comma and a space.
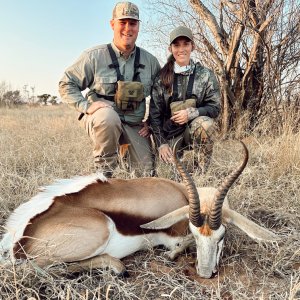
128, 94
187, 99
116, 66
189, 91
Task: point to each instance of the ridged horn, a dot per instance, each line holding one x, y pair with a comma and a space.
193, 196
215, 217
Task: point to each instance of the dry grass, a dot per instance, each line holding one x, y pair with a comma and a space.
40, 144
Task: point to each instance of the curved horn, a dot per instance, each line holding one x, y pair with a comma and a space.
215, 217
193, 196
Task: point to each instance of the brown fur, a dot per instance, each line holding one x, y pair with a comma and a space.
123, 149
128, 205
52, 228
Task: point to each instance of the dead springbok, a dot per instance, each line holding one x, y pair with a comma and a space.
94, 222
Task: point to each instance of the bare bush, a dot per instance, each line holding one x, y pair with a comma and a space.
9, 97
253, 47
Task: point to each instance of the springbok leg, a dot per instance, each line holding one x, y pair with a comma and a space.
99, 262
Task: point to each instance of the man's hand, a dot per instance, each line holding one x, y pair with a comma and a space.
180, 117
97, 105
165, 153
145, 131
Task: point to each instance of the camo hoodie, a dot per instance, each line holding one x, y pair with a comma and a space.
205, 88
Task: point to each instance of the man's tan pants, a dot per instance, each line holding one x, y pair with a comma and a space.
108, 132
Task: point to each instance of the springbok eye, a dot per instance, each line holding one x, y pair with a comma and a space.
221, 238
220, 247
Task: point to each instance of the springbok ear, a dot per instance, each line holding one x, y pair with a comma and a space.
169, 219
253, 230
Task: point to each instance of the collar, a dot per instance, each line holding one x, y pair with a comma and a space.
120, 53
184, 70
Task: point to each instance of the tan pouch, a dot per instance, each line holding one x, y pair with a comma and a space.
180, 105
129, 94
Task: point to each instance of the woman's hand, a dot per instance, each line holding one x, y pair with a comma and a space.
165, 153
180, 117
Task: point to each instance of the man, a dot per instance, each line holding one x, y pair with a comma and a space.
119, 77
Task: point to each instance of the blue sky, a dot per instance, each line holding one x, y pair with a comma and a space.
39, 39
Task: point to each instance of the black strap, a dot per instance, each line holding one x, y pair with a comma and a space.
115, 63
137, 65
189, 90
116, 66
109, 98
175, 87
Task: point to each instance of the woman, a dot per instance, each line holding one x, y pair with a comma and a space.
185, 100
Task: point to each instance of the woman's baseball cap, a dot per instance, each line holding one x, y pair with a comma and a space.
181, 31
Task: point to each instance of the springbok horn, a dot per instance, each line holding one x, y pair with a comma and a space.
215, 216
193, 196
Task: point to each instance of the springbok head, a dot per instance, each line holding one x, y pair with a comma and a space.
207, 228
206, 222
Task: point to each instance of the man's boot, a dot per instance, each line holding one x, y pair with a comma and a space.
105, 165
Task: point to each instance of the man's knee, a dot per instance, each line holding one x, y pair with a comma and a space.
106, 118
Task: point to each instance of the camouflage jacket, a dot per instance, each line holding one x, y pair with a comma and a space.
205, 88
91, 71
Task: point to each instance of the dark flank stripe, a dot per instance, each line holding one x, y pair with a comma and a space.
126, 224
130, 225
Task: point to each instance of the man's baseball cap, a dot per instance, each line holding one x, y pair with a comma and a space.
125, 10
181, 31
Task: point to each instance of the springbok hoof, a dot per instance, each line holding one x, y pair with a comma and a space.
124, 274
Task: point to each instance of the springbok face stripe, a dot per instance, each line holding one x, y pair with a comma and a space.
205, 230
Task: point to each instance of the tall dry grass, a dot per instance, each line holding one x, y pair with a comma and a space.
38, 145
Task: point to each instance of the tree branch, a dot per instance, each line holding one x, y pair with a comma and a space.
210, 20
